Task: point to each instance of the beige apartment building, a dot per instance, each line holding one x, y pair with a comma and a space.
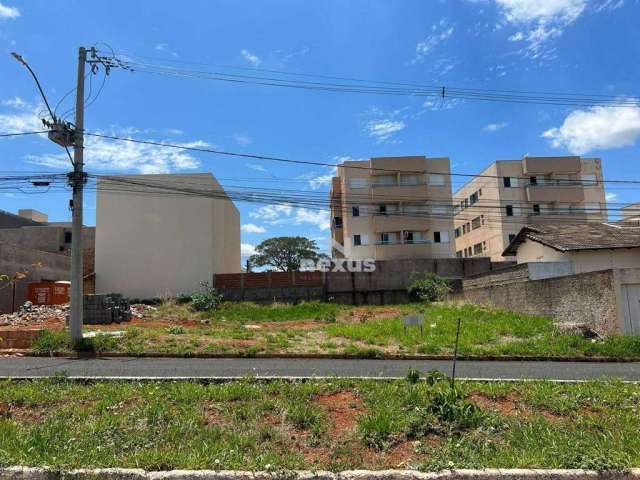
490, 209
391, 208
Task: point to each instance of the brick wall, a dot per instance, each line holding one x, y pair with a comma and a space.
585, 298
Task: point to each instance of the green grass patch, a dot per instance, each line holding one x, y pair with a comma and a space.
247, 425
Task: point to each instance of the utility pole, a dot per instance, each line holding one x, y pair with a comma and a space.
76, 181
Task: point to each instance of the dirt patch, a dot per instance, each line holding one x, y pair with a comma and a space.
362, 315
20, 413
213, 417
290, 325
342, 408
510, 406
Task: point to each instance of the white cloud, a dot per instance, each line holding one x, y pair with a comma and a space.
316, 181
252, 228
441, 31
494, 127
540, 21
242, 139
257, 167
246, 249
160, 47
24, 116
596, 128
8, 12
318, 218
383, 129
611, 196
252, 58
285, 213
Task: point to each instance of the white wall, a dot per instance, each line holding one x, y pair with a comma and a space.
583, 261
153, 244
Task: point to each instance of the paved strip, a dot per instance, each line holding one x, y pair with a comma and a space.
105, 367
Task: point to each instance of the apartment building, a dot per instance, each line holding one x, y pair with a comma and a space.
490, 209
391, 208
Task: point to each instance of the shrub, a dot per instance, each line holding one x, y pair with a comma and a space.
434, 376
207, 299
183, 298
428, 287
52, 341
413, 375
176, 330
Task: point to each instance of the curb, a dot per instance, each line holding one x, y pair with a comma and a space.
333, 356
27, 473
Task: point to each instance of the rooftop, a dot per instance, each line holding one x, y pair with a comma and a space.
578, 236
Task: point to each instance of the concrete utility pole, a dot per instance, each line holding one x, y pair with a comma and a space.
77, 180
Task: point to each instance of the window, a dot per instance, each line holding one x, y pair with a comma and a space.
459, 254
506, 181
408, 237
338, 222
388, 238
475, 223
67, 237
588, 179
413, 209
355, 211
464, 228
384, 180
439, 209
441, 237
468, 227
407, 179
357, 182
536, 209
382, 209
509, 210
592, 208
482, 219
477, 249
357, 240
457, 232
473, 198
436, 180
480, 192
533, 180
512, 236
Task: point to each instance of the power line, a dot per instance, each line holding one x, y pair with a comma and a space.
19, 134
309, 162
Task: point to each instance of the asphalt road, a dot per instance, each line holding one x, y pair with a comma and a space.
236, 367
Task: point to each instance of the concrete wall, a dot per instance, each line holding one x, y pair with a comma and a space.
153, 242
48, 238
39, 266
582, 261
589, 298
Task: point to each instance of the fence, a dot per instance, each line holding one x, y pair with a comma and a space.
386, 284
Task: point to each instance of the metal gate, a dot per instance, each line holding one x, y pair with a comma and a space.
631, 304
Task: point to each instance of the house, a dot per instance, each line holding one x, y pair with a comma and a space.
163, 234
588, 247
389, 208
492, 207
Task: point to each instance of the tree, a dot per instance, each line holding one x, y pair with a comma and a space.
285, 253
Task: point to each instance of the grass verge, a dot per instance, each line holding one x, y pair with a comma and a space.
333, 425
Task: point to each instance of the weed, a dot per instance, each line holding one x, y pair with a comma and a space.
413, 375
176, 330
376, 429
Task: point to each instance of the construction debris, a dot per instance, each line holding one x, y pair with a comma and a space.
140, 310
33, 315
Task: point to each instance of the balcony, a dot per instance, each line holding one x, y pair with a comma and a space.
555, 192
403, 250
381, 193
547, 165
397, 222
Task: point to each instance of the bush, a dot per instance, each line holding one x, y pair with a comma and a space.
208, 299
52, 341
428, 287
413, 375
176, 330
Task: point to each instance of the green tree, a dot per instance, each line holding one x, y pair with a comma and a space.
285, 253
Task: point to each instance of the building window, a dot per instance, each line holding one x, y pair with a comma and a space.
382, 209
482, 219
536, 209
439, 209
338, 222
459, 254
441, 237
533, 180
67, 237
436, 180
355, 211
408, 237
457, 232
592, 208
473, 198
357, 182
506, 181
475, 223
406, 179
477, 249
588, 179
479, 192
468, 227
357, 240
512, 237
384, 180
464, 228
509, 210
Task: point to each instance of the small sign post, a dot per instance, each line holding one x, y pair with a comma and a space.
413, 320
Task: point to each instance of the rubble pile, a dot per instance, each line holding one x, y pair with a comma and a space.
139, 310
30, 314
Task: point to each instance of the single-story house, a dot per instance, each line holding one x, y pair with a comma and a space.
589, 247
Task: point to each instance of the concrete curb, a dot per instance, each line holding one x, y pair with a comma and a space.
331, 356
28, 473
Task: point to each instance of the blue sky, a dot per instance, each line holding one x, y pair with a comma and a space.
545, 45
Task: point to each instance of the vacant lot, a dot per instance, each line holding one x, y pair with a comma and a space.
331, 425
315, 327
